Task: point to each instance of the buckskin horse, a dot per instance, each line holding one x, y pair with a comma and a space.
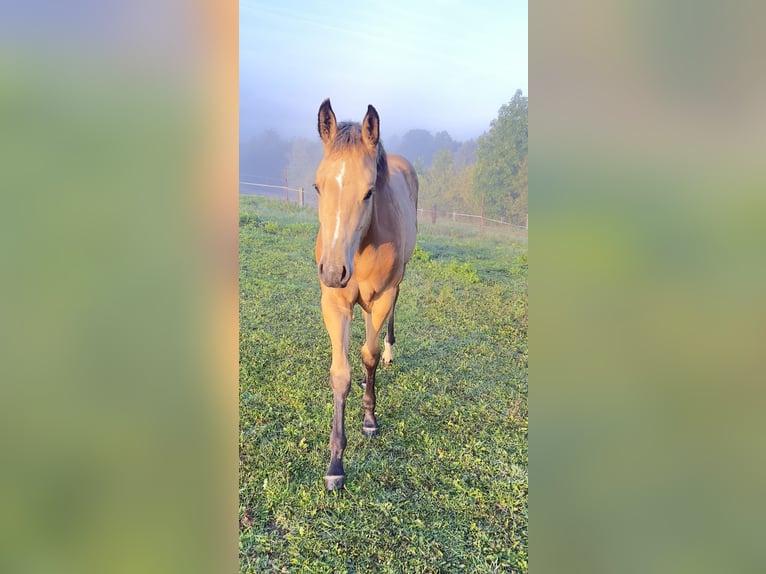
367, 226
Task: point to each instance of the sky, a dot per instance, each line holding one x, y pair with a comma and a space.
442, 65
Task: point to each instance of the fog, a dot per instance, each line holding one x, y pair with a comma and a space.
297, 116
446, 68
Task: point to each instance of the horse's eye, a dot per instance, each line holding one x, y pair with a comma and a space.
316, 187
368, 195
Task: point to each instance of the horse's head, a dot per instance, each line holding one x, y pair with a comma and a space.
353, 166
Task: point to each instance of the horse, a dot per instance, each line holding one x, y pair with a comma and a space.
367, 206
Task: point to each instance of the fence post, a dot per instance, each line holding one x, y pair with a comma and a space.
433, 215
482, 212
287, 194
300, 196
453, 216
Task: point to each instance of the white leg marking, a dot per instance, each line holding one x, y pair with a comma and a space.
388, 353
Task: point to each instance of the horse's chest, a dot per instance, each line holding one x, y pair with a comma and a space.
369, 292
376, 270
373, 286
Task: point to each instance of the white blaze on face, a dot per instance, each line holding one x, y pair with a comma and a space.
339, 179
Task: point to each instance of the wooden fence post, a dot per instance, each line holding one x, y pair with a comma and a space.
300, 196
433, 215
482, 212
287, 194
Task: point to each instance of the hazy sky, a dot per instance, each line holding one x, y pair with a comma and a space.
439, 65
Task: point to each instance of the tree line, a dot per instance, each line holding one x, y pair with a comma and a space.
487, 175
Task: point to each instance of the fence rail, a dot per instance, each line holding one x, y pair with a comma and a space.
423, 213
453, 215
298, 190
270, 185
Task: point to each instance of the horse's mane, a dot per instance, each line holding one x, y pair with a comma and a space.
349, 136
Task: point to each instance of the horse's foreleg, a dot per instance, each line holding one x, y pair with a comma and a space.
337, 319
371, 357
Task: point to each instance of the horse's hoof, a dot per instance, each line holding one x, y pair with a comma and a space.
370, 431
363, 383
334, 481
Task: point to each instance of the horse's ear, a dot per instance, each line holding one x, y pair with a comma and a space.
371, 127
326, 124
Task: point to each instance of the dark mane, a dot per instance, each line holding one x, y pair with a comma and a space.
349, 136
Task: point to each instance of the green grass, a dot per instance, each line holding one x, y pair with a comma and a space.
443, 488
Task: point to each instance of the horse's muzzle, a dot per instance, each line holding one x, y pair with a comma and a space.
332, 275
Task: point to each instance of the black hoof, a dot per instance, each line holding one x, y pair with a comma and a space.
334, 482
370, 431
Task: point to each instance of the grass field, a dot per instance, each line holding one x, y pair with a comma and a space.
443, 487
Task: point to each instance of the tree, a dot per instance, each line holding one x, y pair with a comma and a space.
421, 144
417, 144
264, 158
465, 154
501, 158
465, 199
441, 176
304, 158
519, 203
442, 140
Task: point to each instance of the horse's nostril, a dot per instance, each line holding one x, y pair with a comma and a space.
343, 273
321, 268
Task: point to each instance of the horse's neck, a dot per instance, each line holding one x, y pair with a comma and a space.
377, 229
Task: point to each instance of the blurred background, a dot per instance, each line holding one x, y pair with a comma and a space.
118, 315
118, 312
647, 180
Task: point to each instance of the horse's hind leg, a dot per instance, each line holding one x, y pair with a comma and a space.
371, 356
388, 351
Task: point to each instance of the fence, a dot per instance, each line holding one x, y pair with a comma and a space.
433, 216
482, 220
266, 190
